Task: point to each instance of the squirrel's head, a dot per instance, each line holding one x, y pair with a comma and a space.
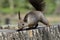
22, 24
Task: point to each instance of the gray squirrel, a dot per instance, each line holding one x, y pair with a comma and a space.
32, 18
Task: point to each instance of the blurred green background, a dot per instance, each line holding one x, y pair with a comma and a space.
10, 7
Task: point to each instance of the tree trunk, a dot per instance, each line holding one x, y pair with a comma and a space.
0, 3
11, 5
57, 10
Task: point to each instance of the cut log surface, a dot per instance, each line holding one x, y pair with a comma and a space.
39, 33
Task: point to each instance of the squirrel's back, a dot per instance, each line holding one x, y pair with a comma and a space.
33, 16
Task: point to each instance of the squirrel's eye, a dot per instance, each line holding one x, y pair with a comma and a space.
22, 24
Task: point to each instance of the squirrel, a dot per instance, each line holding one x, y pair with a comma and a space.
32, 18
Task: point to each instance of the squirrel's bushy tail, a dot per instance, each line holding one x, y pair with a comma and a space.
39, 5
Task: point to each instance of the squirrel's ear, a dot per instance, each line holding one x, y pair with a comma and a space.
19, 17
